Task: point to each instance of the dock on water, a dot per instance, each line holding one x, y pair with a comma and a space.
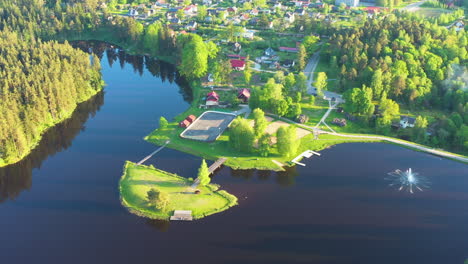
182, 215
153, 153
305, 154
211, 169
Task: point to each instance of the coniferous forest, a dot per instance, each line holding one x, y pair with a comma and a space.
41, 83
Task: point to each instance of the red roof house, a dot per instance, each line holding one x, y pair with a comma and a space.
191, 118
184, 123
212, 98
372, 9
238, 64
244, 95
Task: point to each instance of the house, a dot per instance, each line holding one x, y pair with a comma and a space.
237, 47
254, 21
270, 52
212, 98
133, 12
208, 19
248, 34
288, 63
190, 10
191, 118
254, 12
192, 25
175, 21
316, 5
212, 12
232, 10
350, 3
244, 17
372, 10
407, 121
184, 123
299, 12
339, 122
289, 17
301, 3
288, 49
244, 95
459, 25
277, 5
238, 65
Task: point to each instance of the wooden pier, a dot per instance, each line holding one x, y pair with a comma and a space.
152, 154
211, 169
305, 154
216, 164
182, 215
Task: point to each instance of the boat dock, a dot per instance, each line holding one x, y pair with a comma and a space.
211, 169
216, 165
182, 215
152, 154
305, 154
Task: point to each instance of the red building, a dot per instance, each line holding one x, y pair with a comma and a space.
238, 64
184, 123
244, 95
212, 98
191, 118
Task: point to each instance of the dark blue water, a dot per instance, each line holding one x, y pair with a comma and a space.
61, 205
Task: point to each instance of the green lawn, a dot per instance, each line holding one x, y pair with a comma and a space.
137, 180
432, 12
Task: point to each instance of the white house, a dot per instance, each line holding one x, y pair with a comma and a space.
406, 121
133, 12
289, 17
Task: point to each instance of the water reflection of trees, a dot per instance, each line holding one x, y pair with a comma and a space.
283, 178
18, 177
160, 69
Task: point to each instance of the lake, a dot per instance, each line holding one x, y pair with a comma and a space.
61, 204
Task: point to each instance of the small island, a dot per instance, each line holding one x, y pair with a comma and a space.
156, 194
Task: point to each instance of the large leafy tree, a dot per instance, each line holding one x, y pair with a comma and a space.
194, 63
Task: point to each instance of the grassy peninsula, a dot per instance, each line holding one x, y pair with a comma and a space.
137, 180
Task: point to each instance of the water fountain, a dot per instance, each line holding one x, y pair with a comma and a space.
407, 180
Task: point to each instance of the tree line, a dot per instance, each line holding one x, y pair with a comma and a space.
402, 61
41, 83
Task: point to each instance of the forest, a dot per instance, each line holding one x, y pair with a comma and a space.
418, 64
41, 82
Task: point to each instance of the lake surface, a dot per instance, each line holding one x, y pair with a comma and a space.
61, 204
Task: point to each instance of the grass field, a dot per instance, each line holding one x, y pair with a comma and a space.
137, 180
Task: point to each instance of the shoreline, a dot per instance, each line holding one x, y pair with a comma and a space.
46, 127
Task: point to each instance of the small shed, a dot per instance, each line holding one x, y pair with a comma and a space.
184, 123
191, 118
302, 119
212, 98
244, 95
339, 122
182, 215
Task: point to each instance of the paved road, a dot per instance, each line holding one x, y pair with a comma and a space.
413, 7
405, 143
388, 139
309, 72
